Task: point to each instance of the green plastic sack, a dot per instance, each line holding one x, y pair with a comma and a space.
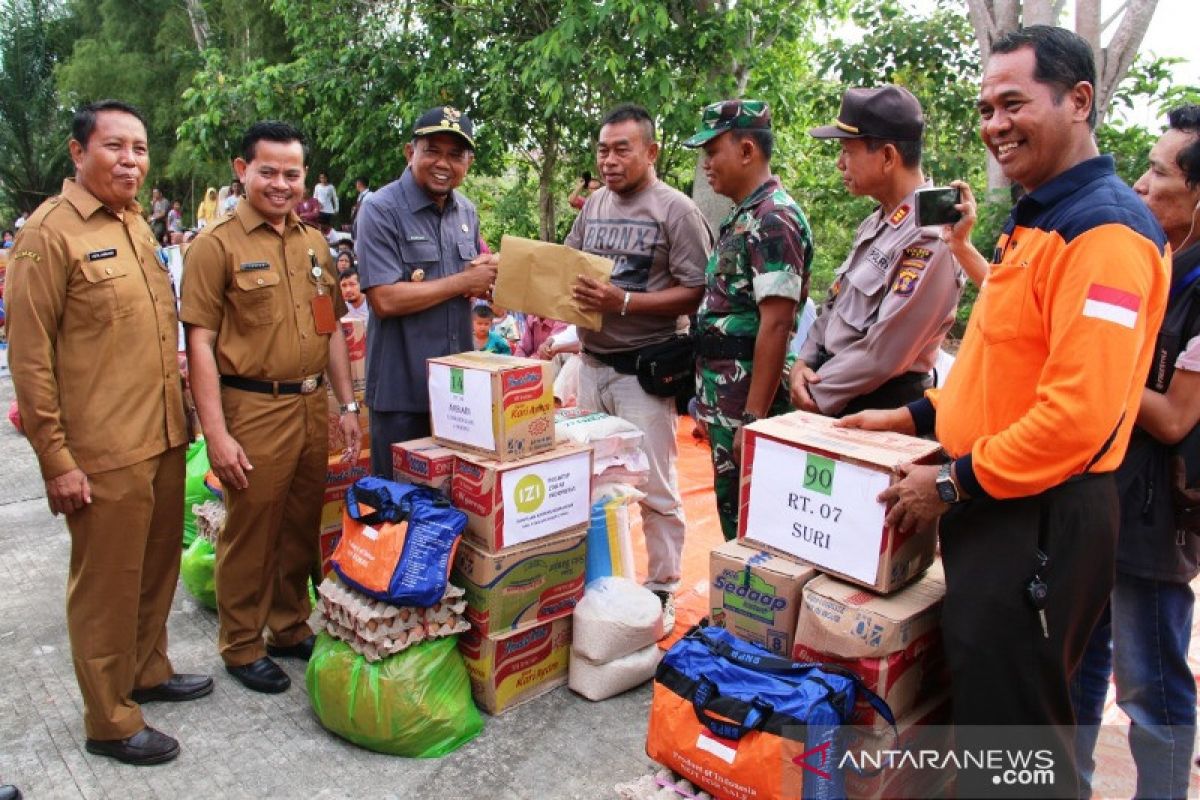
416, 703
194, 490
198, 568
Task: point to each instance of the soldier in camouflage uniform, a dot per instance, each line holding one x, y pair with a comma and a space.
756, 280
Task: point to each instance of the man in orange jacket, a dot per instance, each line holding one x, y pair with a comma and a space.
1036, 413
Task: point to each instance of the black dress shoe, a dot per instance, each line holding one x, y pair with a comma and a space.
147, 746
177, 688
301, 649
9, 792
263, 675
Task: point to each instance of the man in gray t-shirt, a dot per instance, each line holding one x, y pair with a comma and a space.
660, 243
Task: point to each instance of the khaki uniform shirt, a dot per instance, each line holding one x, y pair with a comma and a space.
889, 308
93, 337
254, 287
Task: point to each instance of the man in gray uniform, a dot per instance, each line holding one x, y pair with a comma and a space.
894, 296
419, 265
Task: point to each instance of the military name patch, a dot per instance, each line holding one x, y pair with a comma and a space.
923, 253
906, 282
100, 255
32, 256
899, 215
251, 266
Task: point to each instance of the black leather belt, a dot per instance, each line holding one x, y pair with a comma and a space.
710, 345
276, 388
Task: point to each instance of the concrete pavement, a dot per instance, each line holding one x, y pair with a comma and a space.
238, 744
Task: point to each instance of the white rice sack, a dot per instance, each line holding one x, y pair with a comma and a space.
616, 617
602, 681
608, 435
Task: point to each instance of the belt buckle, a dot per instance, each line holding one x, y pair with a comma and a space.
308, 385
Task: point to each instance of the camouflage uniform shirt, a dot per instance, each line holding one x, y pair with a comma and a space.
765, 250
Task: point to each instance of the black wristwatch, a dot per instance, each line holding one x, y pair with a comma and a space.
749, 418
947, 489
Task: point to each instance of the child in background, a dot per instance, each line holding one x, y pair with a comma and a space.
485, 338
506, 325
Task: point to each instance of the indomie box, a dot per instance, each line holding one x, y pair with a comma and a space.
809, 489
509, 503
893, 643
755, 595
338, 478
524, 585
423, 461
498, 406
509, 669
355, 333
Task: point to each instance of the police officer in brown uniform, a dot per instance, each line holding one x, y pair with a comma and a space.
894, 297
93, 336
261, 304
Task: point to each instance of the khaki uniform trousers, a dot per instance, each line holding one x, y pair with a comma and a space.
125, 549
269, 547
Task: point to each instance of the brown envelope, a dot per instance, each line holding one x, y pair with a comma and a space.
536, 278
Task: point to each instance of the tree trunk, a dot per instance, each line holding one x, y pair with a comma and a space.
199, 20
546, 228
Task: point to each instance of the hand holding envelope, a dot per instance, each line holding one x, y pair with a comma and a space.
540, 278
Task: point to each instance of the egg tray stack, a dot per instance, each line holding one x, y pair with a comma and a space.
375, 629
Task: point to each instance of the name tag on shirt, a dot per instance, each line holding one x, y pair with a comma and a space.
417, 238
250, 266
100, 255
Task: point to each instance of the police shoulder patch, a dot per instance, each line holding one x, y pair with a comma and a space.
906, 282
29, 254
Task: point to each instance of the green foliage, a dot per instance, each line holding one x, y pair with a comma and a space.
34, 37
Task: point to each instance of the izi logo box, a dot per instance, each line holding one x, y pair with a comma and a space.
809, 490
512, 502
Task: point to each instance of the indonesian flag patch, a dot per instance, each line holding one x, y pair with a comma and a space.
1113, 305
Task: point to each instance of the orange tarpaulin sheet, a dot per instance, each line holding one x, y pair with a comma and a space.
703, 531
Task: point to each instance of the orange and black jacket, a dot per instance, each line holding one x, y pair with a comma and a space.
1048, 380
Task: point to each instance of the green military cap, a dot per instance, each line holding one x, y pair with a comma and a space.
728, 115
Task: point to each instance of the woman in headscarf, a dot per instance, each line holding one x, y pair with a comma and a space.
206, 214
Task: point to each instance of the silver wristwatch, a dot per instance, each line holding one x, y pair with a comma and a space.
350, 408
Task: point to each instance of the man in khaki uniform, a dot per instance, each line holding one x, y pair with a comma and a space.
92, 336
894, 297
261, 304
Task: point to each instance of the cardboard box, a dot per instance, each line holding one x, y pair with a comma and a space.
808, 489
423, 461
512, 502
497, 406
338, 477
756, 595
355, 332
521, 586
512, 668
893, 643
923, 729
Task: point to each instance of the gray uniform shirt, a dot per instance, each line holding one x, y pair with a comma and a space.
401, 231
889, 308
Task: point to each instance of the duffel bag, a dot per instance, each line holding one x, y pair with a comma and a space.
741, 722
398, 541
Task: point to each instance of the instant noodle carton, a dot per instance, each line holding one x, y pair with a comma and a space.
521, 586
893, 643
809, 489
423, 461
755, 595
512, 502
355, 332
494, 405
885, 764
338, 478
511, 668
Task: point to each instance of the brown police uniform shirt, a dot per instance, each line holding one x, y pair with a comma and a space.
254, 287
93, 337
889, 308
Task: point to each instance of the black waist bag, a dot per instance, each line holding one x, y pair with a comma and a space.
668, 369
